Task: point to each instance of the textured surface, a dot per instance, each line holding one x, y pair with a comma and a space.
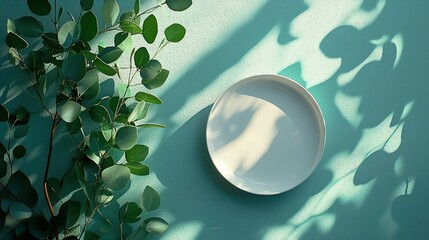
365, 61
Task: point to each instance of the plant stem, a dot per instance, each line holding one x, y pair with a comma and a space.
45, 178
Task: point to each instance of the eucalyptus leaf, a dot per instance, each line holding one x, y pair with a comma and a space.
121, 118
39, 7
10, 27
136, 6
147, 97
130, 212
138, 153
151, 199
21, 131
126, 137
175, 32
129, 27
86, 5
150, 70
107, 130
20, 186
113, 104
92, 91
150, 28
156, 225
116, 177
137, 112
20, 211
15, 41
120, 38
141, 57
19, 151
74, 66
68, 34
129, 15
69, 111
104, 197
75, 126
13, 56
29, 27
88, 26
110, 54
110, 12
104, 67
157, 81
98, 113
90, 78
72, 211
50, 41
4, 113
137, 168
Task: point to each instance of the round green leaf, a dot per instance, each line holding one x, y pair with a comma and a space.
130, 212
86, 5
120, 38
15, 41
74, 66
175, 32
150, 199
121, 118
137, 168
68, 34
110, 11
19, 151
19, 211
141, 57
179, 5
21, 131
126, 137
138, 112
92, 91
50, 41
151, 69
4, 113
104, 67
98, 113
156, 225
29, 26
129, 27
137, 153
69, 111
110, 54
150, 28
157, 81
39, 7
116, 177
142, 96
87, 81
75, 126
88, 26
20, 186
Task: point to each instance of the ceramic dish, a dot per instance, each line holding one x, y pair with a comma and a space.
265, 134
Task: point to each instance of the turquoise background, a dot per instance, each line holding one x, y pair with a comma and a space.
365, 62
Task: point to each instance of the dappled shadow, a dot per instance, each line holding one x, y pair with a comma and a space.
378, 148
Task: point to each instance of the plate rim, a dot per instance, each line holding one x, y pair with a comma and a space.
302, 91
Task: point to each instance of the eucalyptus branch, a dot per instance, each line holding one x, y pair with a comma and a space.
149, 10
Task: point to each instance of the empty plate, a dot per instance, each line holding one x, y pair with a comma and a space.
265, 134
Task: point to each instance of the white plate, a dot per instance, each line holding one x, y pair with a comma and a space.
265, 134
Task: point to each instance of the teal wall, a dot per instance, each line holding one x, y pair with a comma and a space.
366, 63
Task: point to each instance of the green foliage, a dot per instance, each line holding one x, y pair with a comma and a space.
66, 71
